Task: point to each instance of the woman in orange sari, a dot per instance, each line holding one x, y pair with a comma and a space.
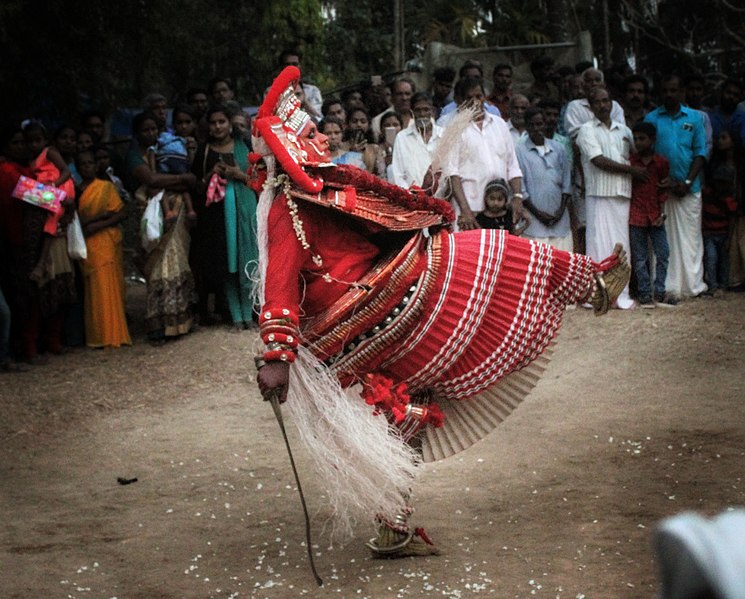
101, 210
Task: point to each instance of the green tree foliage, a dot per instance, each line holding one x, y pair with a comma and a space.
687, 35
359, 32
456, 23
358, 39
66, 54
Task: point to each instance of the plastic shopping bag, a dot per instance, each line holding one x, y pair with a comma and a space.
151, 225
76, 247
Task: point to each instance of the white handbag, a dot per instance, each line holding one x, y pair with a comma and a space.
151, 225
76, 247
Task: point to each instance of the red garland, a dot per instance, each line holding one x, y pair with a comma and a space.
348, 175
379, 391
434, 416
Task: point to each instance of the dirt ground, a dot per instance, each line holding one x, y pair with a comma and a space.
638, 417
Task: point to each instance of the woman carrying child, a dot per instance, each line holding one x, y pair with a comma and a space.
170, 283
53, 273
174, 153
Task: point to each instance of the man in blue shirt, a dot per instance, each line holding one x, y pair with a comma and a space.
681, 139
547, 183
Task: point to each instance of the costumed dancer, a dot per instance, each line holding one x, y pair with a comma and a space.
393, 339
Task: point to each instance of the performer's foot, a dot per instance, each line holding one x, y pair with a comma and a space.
393, 544
611, 281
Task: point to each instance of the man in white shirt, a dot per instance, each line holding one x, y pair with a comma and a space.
401, 92
518, 105
313, 97
578, 111
576, 114
605, 147
484, 152
412, 151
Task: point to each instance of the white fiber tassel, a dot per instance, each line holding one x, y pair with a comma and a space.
365, 469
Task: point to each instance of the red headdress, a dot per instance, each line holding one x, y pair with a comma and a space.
279, 122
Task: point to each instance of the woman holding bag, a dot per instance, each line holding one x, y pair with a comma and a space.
170, 283
101, 209
224, 251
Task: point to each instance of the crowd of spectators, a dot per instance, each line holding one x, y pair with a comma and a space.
569, 160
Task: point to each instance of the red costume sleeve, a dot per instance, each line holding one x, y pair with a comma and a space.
286, 259
280, 313
314, 265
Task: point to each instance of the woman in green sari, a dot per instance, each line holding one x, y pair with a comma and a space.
224, 250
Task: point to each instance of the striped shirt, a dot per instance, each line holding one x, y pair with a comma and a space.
578, 112
615, 143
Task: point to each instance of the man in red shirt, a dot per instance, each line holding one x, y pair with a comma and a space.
502, 90
646, 219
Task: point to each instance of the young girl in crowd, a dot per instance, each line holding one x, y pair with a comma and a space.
105, 171
723, 264
65, 141
363, 151
718, 210
496, 214
390, 126
242, 126
84, 141
334, 129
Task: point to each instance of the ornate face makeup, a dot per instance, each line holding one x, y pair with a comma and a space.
314, 143
289, 133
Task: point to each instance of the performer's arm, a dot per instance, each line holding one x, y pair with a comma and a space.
279, 318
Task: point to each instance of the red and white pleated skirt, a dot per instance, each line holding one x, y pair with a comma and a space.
497, 303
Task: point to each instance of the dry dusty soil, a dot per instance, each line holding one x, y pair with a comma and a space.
638, 417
